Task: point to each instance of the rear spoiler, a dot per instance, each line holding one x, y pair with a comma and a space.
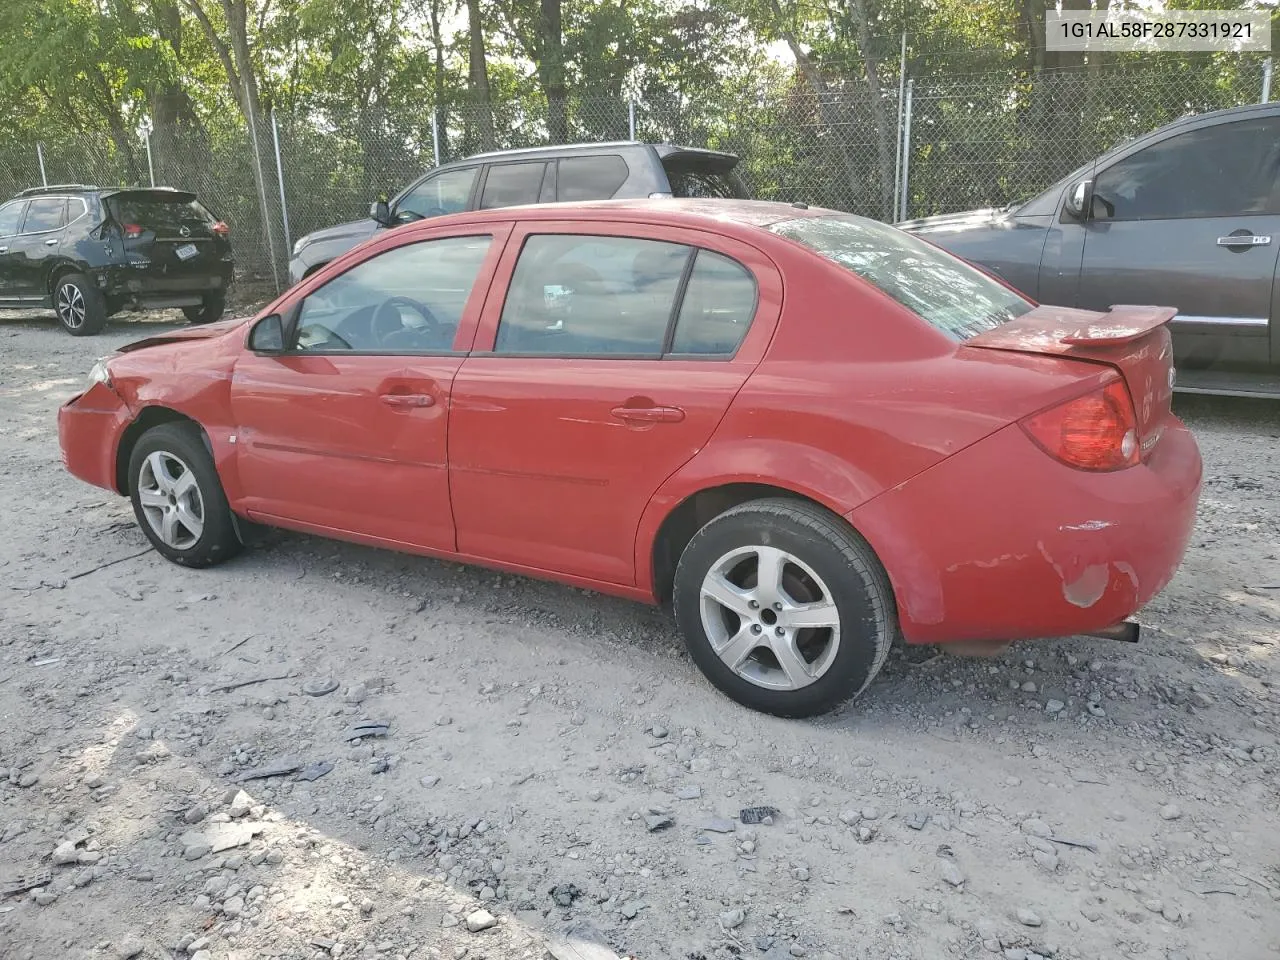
163, 194
1059, 330
714, 160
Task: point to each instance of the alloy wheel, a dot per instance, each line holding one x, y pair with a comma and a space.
770, 617
171, 500
71, 306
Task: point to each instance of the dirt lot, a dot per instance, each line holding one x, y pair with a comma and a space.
1077, 799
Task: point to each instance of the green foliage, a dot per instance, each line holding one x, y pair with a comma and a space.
355, 85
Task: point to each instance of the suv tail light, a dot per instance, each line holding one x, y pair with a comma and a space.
220, 228
131, 229
1096, 431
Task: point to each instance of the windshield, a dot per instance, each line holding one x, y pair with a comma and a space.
952, 296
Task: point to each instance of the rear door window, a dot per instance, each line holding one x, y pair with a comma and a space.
509, 184
45, 215
591, 296
11, 217
591, 178
952, 296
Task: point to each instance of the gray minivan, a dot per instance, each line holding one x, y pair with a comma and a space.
571, 172
1187, 216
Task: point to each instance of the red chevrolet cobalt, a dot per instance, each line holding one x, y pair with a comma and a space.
808, 432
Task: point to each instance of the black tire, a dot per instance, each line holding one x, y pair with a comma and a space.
841, 559
80, 306
211, 311
182, 443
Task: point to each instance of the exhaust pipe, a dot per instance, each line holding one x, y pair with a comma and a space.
1126, 631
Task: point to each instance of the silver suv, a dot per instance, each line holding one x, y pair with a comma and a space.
505, 178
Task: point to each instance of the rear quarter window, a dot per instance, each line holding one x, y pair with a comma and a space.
591, 178
950, 295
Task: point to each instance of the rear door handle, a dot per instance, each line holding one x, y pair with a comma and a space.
51, 243
1244, 240
408, 399
649, 414
4, 249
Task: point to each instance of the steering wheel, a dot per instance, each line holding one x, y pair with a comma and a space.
387, 323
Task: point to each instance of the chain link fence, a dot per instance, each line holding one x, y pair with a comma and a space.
953, 142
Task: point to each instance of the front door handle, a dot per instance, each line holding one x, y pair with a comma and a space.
4, 249
408, 399
649, 414
1244, 240
51, 243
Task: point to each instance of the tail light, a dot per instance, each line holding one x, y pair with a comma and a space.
220, 228
131, 229
1096, 431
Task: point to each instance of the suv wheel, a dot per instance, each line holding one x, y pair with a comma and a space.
215, 304
80, 306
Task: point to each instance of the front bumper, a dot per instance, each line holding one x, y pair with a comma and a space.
90, 426
1002, 542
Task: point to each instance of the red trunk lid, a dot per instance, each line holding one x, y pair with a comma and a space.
1132, 339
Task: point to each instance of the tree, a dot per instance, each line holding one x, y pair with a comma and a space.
478, 76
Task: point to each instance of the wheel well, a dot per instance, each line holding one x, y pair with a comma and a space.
148, 418
58, 272
690, 517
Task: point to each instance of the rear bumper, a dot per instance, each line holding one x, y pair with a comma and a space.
141, 284
1001, 542
90, 426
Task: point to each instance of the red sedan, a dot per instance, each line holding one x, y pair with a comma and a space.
808, 432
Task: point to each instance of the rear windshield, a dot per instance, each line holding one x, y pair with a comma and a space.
694, 177
952, 296
158, 214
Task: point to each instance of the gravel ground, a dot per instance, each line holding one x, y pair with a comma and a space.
553, 759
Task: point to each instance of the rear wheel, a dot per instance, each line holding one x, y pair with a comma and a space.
178, 498
211, 310
784, 607
80, 306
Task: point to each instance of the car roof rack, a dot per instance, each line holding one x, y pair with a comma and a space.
56, 188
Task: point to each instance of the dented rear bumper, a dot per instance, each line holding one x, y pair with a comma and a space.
1001, 542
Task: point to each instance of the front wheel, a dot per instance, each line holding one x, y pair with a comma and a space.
784, 607
209, 311
178, 498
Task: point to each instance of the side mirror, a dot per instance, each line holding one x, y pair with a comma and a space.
380, 213
1079, 201
267, 336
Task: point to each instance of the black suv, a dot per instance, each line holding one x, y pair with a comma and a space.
505, 178
88, 253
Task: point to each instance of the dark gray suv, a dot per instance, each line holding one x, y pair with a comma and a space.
574, 172
1187, 216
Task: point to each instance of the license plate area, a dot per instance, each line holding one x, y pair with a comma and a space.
186, 251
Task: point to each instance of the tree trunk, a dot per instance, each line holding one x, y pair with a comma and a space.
441, 111
481, 104
551, 70
879, 116
822, 93
115, 123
